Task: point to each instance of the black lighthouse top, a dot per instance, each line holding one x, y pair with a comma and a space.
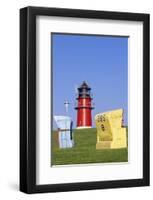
84, 91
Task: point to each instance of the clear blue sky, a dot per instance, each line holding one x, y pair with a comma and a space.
101, 61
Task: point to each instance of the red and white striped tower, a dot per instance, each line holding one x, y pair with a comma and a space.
84, 106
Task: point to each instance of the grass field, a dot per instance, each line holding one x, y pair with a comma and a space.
85, 151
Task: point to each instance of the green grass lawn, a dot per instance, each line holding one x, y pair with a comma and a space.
84, 150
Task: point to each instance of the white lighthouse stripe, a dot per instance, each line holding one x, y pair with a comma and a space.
82, 127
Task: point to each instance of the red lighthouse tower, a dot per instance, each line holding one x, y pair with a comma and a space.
84, 106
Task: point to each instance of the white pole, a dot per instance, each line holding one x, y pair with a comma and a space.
66, 103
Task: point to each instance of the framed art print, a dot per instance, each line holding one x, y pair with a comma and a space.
84, 99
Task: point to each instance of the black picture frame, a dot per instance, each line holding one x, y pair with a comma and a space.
28, 99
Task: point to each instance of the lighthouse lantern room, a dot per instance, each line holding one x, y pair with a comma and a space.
84, 106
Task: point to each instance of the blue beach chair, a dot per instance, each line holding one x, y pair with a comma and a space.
65, 133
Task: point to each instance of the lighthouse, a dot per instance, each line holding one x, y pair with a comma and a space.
84, 106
